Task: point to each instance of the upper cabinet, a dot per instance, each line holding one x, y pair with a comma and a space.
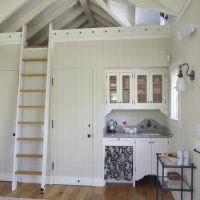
119, 90
144, 89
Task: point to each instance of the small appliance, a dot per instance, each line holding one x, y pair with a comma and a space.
111, 126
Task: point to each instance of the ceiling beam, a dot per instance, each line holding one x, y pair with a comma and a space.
103, 21
99, 24
77, 22
151, 4
87, 11
9, 8
67, 17
67, 20
102, 4
98, 10
50, 14
85, 25
73, 25
25, 15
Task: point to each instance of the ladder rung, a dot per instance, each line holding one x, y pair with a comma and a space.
30, 122
31, 106
34, 59
33, 74
34, 173
29, 155
32, 90
30, 139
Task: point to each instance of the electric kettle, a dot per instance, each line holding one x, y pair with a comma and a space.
111, 126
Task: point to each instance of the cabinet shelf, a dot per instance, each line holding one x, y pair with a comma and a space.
180, 185
173, 185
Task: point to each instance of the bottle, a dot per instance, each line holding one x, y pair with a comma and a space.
185, 157
179, 159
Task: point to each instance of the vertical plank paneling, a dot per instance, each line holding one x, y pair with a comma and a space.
99, 55
9, 57
7, 119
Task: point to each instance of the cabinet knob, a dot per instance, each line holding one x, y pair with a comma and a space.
149, 142
89, 135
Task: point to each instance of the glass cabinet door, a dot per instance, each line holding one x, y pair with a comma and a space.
113, 88
142, 90
126, 98
157, 88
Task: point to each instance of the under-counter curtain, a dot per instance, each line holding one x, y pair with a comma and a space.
118, 163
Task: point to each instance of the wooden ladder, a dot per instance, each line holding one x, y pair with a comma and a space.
32, 117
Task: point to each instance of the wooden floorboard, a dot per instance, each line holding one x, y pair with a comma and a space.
144, 190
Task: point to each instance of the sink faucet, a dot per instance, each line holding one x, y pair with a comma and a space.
149, 123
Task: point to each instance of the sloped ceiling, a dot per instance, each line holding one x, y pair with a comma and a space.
72, 14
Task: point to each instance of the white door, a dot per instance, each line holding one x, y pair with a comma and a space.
159, 145
143, 157
8, 101
72, 132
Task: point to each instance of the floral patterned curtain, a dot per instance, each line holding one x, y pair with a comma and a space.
118, 163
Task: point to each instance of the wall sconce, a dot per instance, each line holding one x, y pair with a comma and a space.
180, 84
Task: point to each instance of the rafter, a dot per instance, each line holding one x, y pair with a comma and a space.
102, 4
9, 8
66, 20
99, 24
50, 14
77, 22
88, 13
67, 17
25, 15
103, 21
85, 25
98, 10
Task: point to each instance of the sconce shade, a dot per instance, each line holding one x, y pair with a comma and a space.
180, 84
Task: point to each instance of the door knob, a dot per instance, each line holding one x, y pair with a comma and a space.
89, 135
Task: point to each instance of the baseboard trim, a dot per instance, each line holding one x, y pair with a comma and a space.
57, 180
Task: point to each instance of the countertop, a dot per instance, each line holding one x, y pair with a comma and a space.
137, 135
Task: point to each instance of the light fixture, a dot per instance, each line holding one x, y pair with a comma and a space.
180, 84
186, 30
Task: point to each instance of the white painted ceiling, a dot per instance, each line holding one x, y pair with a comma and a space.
72, 14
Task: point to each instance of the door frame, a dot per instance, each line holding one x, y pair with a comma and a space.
71, 181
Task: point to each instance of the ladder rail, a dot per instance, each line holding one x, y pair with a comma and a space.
18, 111
46, 112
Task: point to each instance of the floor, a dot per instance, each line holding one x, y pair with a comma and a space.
144, 190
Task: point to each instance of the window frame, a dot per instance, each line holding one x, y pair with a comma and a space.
175, 119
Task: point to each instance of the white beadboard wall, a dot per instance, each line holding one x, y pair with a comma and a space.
111, 54
133, 117
9, 57
9, 64
100, 55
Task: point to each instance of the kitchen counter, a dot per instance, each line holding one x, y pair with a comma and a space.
137, 135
